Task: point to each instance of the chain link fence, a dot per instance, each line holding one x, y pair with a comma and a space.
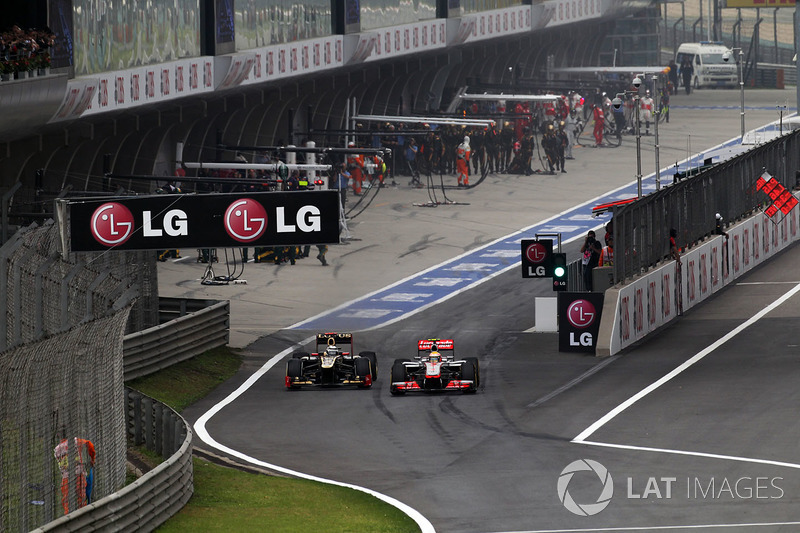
61, 372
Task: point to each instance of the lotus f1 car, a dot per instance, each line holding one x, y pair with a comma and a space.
333, 363
435, 368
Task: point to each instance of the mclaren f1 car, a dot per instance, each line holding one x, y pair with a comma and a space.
333, 363
435, 368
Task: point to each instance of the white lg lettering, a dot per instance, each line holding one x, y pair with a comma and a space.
307, 220
536, 271
585, 339
175, 224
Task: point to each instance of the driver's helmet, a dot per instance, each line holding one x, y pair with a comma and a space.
435, 357
332, 350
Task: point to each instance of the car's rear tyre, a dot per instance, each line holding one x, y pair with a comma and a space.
294, 369
373, 359
477, 366
398, 374
364, 369
468, 373
299, 355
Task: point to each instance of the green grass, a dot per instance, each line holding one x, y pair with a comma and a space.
227, 500
183, 384
230, 500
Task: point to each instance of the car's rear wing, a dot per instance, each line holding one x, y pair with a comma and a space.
441, 344
327, 339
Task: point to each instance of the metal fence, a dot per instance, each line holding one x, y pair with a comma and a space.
641, 228
46, 292
66, 387
61, 371
155, 497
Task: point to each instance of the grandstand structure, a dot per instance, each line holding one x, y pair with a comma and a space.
127, 84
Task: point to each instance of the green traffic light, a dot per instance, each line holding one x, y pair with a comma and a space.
559, 272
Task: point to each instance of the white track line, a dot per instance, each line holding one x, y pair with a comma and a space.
658, 528
200, 429
585, 434
582, 438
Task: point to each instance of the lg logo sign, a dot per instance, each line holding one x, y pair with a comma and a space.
245, 220
535, 258
581, 314
112, 224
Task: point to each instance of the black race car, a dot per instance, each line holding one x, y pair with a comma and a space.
333, 363
435, 368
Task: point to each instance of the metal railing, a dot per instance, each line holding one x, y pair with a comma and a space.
642, 228
197, 326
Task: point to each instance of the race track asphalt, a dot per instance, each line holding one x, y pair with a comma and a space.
492, 461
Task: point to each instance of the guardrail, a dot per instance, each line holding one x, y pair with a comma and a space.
642, 305
195, 326
155, 497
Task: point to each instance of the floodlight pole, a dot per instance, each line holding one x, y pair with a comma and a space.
637, 103
657, 114
740, 63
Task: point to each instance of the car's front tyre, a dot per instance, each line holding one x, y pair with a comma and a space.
294, 370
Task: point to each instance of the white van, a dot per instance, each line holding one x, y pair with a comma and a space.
710, 69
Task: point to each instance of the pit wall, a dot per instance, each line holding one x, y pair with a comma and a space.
638, 308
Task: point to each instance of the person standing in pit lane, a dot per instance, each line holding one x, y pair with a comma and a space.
491, 141
477, 145
687, 71
507, 141
549, 143
355, 165
646, 110
463, 152
562, 144
599, 124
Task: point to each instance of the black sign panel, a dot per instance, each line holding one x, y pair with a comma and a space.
205, 221
579, 320
537, 258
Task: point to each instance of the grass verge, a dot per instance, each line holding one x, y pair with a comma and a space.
226, 499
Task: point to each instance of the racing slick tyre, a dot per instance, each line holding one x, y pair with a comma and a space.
468, 372
477, 366
294, 369
373, 360
398, 374
363, 369
299, 355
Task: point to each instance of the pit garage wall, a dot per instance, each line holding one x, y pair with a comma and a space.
641, 307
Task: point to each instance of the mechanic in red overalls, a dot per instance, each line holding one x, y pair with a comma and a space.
355, 164
599, 124
462, 162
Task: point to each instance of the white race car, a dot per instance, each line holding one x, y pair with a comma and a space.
435, 368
